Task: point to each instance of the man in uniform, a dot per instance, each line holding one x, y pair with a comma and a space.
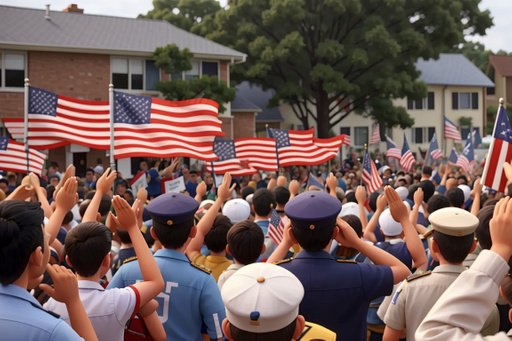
337, 293
250, 297
191, 298
453, 238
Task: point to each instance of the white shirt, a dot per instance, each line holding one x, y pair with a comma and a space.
228, 273
108, 310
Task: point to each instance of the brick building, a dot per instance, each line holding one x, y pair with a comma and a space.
79, 55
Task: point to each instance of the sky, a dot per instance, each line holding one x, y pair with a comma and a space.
496, 38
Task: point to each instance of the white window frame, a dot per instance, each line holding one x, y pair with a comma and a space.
425, 138
2, 65
470, 93
201, 68
144, 60
424, 102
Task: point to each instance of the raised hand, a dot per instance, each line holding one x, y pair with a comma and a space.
418, 196
398, 210
67, 196
65, 284
346, 235
105, 182
125, 217
360, 195
224, 191
500, 228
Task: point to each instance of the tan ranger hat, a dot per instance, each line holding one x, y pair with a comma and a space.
452, 221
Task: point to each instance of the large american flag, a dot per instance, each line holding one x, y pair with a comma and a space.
467, 156
450, 130
244, 156
375, 138
500, 151
370, 176
147, 126
407, 159
276, 227
434, 153
13, 157
297, 148
393, 150
55, 121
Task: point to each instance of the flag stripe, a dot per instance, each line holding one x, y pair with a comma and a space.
14, 158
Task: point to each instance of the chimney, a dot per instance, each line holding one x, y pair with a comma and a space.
47, 13
73, 8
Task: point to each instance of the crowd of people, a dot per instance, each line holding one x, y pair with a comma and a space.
306, 254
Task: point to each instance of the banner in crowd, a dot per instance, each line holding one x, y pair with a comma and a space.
13, 157
173, 185
138, 181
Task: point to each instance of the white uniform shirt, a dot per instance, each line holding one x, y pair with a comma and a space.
228, 273
108, 310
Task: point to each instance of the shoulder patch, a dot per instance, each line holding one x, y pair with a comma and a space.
202, 268
287, 260
350, 261
128, 260
416, 276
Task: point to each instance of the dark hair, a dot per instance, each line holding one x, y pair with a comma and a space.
437, 202
263, 200
83, 207
454, 249
428, 189
351, 197
285, 333
455, 196
105, 204
90, 195
483, 234
4, 180
124, 236
355, 223
173, 237
87, 245
282, 195
463, 177
245, 240
490, 202
427, 170
373, 201
246, 191
216, 238
313, 240
67, 218
21, 232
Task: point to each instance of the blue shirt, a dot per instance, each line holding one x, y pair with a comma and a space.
23, 318
337, 294
154, 187
190, 298
397, 248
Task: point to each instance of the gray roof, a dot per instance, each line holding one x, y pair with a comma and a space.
97, 33
452, 69
255, 94
242, 104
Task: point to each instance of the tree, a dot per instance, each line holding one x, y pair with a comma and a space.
196, 16
174, 61
331, 58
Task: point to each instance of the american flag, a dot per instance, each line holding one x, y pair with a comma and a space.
370, 176
407, 159
55, 121
297, 148
244, 156
375, 138
147, 126
477, 138
450, 130
13, 157
434, 153
393, 150
467, 156
453, 156
333, 144
276, 227
500, 151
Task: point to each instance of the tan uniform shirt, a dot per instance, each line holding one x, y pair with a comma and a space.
316, 332
460, 312
414, 299
217, 264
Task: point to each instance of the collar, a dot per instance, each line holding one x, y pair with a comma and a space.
317, 255
448, 268
235, 267
395, 241
173, 254
216, 259
89, 285
19, 293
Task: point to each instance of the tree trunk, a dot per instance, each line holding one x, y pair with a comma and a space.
322, 112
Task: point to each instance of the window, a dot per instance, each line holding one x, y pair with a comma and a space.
345, 130
421, 104
464, 132
210, 69
360, 136
134, 74
464, 100
12, 70
199, 69
422, 134
194, 73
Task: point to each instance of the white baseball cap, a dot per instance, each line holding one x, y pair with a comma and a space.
262, 297
388, 225
236, 210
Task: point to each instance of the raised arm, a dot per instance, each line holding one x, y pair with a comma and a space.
41, 195
361, 200
413, 215
64, 201
293, 187
476, 194
332, 183
369, 231
282, 249
103, 186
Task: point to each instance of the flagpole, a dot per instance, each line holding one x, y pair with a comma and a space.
277, 151
25, 122
111, 102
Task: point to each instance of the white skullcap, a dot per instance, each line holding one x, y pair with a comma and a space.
403, 192
466, 190
349, 208
388, 225
236, 210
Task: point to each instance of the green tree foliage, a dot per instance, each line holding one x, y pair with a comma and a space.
331, 58
196, 16
174, 61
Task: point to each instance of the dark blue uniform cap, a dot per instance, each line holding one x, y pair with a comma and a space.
172, 209
313, 210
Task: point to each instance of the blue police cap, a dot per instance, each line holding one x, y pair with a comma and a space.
313, 210
173, 209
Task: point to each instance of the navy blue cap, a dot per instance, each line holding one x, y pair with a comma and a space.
172, 209
313, 210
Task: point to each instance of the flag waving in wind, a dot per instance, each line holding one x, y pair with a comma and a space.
375, 138
370, 175
450, 130
500, 151
467, 156
434, 153
407, 159
13, 157
454, 157
393, 150
477, 138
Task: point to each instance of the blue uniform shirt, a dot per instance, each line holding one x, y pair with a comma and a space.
190, 298
398, 248
23, 318
337, 294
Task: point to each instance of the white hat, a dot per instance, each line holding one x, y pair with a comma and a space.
383, 169
236, 210
403, 192
262, 297
467, 191
349, 208
206, 202
249, 198
388, 225
98, 169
